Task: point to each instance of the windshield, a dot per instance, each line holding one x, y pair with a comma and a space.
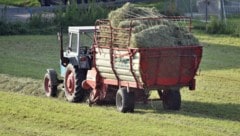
86, 39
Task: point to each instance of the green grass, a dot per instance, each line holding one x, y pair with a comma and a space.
213, 109
28, 115
29, 56
21, 3
233, 23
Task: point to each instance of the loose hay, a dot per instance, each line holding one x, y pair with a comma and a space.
23, 85
146, 33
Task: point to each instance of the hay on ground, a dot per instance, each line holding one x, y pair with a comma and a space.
23, 85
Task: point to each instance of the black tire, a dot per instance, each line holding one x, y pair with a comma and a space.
73, 83
50, 83
171, 99
125, 100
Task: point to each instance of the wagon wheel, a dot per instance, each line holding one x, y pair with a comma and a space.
125, 100
73, 83
50, 83
171, 98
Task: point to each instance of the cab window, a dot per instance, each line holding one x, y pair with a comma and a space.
73, 42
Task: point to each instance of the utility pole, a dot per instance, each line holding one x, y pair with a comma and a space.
190, 7
222, 11
176, 5
165, 4
206, 15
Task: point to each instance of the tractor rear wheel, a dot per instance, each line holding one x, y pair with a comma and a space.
171, 99
125, 100
73, 83
50, 83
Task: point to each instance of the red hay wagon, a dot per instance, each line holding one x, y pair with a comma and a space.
123, 74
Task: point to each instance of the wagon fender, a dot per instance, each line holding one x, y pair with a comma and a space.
91, 80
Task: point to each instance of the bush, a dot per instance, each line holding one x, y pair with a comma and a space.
38, 24
75, 15
8, 28
218, 27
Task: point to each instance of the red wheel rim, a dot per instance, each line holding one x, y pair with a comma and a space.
47, 85
70, 82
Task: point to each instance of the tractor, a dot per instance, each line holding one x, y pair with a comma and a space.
74, 64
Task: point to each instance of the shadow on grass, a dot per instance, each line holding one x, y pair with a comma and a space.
195, 109
217, 57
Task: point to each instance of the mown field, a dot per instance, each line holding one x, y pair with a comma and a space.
213, 109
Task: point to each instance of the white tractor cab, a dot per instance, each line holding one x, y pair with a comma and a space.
74, 63
78, 50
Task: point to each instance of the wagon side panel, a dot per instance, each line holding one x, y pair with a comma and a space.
175, 66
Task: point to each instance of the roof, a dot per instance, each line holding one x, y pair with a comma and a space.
77, 29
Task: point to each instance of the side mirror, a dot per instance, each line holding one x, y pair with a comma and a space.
59, 36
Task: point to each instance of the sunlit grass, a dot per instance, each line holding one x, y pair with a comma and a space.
26, 115
28, 55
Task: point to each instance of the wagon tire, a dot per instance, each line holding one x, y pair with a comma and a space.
50, 83
73, 83
171, 99
125, 100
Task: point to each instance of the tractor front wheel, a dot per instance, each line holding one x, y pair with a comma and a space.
50, 83
125, 100
73, 83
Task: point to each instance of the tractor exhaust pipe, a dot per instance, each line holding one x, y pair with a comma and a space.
64, 60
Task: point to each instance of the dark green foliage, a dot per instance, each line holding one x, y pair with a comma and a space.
218, 27
72, 15
8, 28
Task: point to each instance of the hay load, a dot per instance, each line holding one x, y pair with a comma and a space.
149, 33
129, 11
160, 34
